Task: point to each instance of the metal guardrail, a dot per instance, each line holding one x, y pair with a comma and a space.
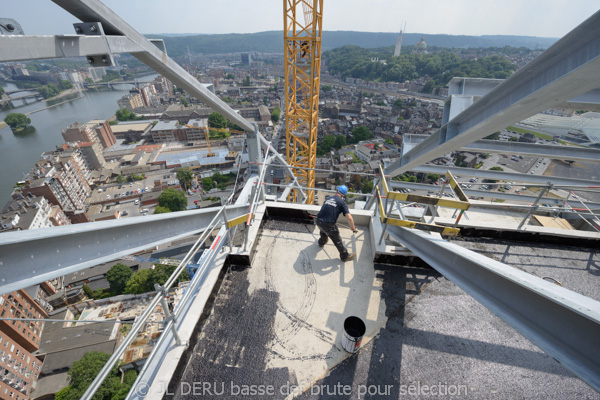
158, 298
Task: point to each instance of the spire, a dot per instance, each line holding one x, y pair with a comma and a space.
398, 48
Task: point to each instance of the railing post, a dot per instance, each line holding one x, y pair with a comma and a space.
535, 205
168, 315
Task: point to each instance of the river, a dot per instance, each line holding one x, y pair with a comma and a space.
18, 152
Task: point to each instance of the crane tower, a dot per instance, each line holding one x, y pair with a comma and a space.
302, 43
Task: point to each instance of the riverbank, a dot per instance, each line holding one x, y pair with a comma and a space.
4, 125
64, 93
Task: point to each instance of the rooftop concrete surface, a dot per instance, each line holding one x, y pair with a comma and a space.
278, 323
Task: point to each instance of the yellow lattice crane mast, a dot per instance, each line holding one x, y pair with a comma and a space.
302, 43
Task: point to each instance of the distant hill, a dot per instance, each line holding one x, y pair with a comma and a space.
272, 41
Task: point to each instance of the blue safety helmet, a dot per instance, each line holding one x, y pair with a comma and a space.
342, 189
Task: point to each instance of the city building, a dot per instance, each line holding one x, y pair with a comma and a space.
196, 129
104, 132
164, 131
247, 59
61, 177
77, 132
20, 304
31, 212
92, 155
131, 131
19, 368
131, 101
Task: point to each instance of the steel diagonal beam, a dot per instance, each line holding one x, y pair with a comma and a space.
563, 323
569, 68
149, 54
535, 150
34, 256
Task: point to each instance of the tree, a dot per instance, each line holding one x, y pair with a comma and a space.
161, 210
513, 139
326, 88
207, 184
185, 176
276, 114
216, 120
140, 282
1, 91
360, 133
120, 179
126, 115
493, 136
48, 90
184, 101
428, 86
172, 199
88, 291
64, 84
17, 121
229, 76
496, 169
433, 177
398, 103
389, 140
117, 277
88, 81
367, 187
246, 81
340, 141
83, 372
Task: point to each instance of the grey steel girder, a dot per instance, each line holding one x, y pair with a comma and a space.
569, 68
508, 176
149, 54
535, 150
563, 323
34, 256
22, 48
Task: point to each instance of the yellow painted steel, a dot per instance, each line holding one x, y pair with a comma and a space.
462, 204
447, 231
236, 221
302, 31
457, 189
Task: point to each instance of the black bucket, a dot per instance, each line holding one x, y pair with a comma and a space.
354, 330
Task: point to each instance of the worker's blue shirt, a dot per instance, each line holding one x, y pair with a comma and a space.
332, 208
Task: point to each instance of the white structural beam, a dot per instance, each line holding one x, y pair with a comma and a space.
563, 323
535, 150
569, 68
149, 54
34, 256
23, 48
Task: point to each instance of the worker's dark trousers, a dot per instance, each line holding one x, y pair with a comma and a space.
332, 231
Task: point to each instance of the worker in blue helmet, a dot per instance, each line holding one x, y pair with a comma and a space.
328, 216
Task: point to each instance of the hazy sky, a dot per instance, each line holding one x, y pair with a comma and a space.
549, 18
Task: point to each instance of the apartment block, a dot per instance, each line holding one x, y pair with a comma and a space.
19, 369
61, 177
31, 212
20, 304
91, 154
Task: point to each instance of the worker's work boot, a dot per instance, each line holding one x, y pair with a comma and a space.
350, 257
